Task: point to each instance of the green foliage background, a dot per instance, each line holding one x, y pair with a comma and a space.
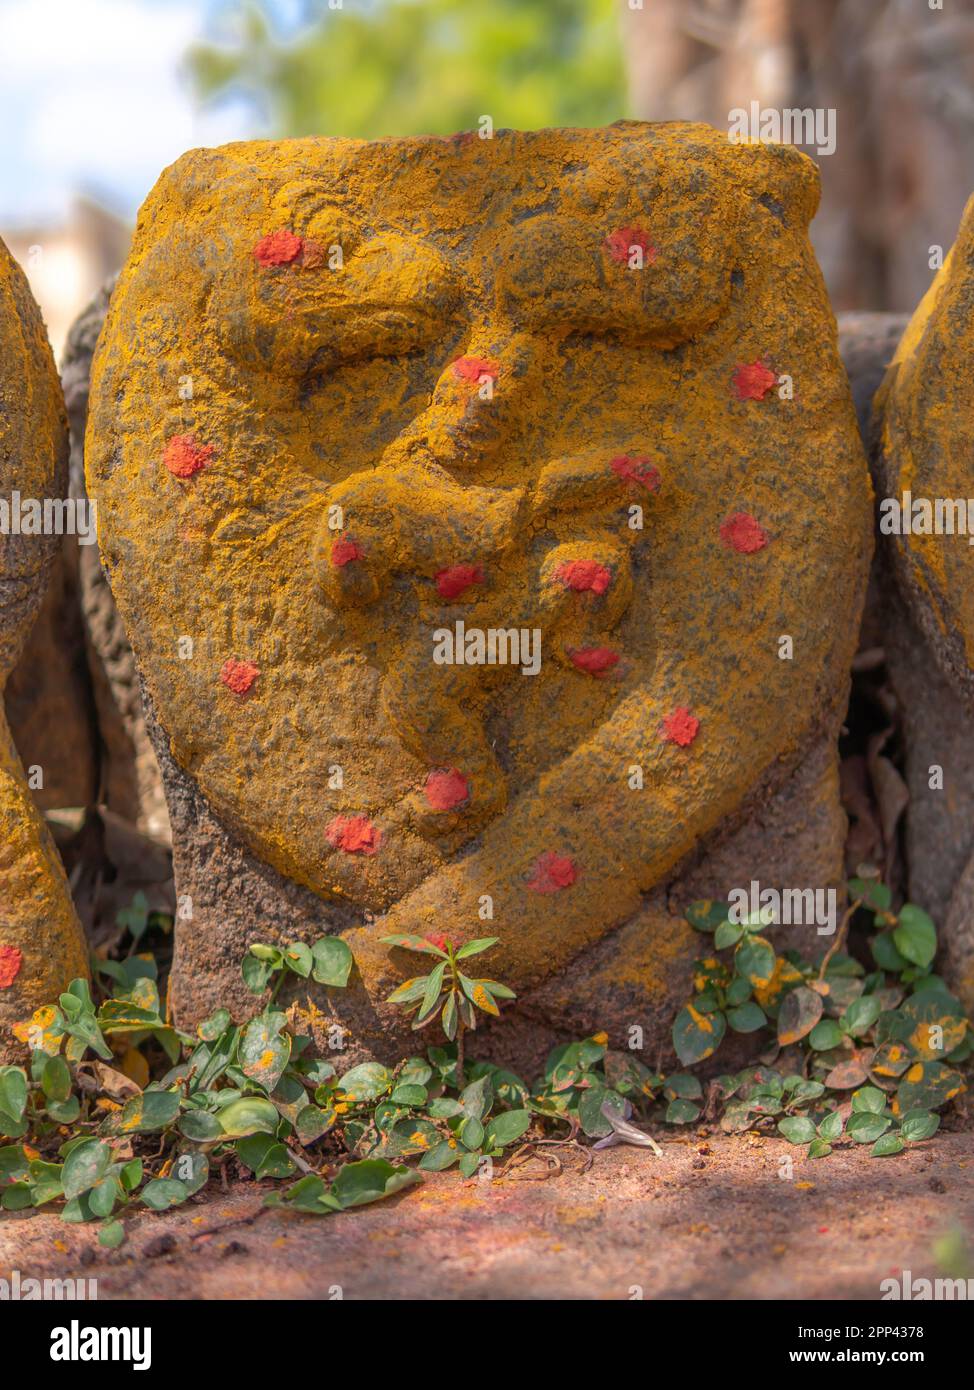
409, 67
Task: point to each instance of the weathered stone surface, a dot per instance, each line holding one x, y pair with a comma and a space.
476, 400
128, 774
922, 458
41, 945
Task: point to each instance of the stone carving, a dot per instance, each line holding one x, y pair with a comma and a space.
41, 945
491, 526
924, 474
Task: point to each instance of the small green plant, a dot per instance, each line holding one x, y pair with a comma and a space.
868, 1055
446, 990
117, 1108
327, 961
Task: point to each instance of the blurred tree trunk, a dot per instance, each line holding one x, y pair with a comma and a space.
900, 77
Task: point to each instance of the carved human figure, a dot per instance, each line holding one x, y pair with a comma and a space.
578, 386
41, 944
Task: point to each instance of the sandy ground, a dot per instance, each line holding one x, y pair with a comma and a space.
716, 1218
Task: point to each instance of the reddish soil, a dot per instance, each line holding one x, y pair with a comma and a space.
712, 1219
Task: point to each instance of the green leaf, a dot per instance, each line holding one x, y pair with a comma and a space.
17, 1197
470, 1132
801, 1010
366, 1082
915, 935
111, 1235
831, 1126
415, 943
870, 892
825, 1035
103, 1196
265, 1050
56, 1079
409, 991
13, 1164
130, 1174
747, 1018
706, 916
682, 1112
270, 955
211, 1028
77, 1209
431, 994
333, 961
440, 1157
865, 1126
885, 954
861, 1014
682, 1085
84, 1166
886, 1145
449, 1019
148, 1113
755, 959
13, 1100
697, 1036
469, 1163
251, 1115
409, 1095
727, 934
506, 1128
311, 1123
928, 1086
477, 1098
475, 947
369, 1180
256, 973
818, 1148
298, 959
869, 1100
797, 1129
264, 1156
162, 1193
590, 1115
200, 1126
917, 1125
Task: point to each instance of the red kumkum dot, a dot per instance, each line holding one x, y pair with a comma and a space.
619, 243
753, 381
344, 551
473, 368
594, 660
740, 531
10, 962
238, 676
636, 468
278, 248
452, 582
184, 457
446, 789
582, 575
437, 939
680, 727
353, 834
552, 872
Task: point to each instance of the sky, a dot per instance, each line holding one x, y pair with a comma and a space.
92, 99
